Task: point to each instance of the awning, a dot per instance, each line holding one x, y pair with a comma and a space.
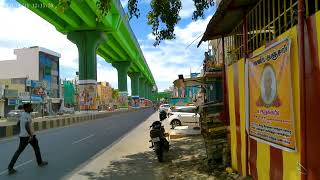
188, 82
227, 16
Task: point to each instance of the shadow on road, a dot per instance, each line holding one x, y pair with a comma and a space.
185, 160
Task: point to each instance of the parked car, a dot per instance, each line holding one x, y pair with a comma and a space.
14, 115
66, 111
164, 107
183, 115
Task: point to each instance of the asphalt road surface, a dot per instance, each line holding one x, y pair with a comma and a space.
69, 147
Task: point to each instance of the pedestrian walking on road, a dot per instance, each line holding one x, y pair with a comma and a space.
26, 136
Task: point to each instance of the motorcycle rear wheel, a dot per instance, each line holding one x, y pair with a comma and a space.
159, 153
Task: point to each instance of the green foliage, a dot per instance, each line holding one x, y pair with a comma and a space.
63, 5
201, 6
163, 17
104, 7
115, 93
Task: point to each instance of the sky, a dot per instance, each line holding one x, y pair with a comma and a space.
23, 28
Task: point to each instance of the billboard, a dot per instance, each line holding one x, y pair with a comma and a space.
270, 103
123, 99
87, 97
135, 102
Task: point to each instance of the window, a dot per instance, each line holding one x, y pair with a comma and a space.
187, 110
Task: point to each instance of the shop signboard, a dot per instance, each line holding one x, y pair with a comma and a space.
270, 103
11, 93
180, 101
13, 102
24, 95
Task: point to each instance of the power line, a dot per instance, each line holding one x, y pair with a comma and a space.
194, 40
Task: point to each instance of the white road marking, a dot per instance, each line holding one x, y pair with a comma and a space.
22, 164
80, 140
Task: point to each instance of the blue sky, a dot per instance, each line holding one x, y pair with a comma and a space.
22, 28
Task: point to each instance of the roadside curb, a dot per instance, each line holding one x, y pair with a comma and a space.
178, 136
11, 130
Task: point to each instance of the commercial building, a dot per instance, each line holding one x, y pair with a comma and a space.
32, 77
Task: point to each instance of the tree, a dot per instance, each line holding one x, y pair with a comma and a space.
115, 94
163, 15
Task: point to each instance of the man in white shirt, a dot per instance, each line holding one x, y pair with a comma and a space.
26, 136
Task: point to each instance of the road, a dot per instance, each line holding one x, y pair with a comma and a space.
68, 148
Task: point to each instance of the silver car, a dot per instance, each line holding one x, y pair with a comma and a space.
14, 115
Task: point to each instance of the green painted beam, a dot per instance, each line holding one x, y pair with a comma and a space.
104, 55
109, 51
116, 49
82, 16
45, 13
68, 16
92, 4
84, 12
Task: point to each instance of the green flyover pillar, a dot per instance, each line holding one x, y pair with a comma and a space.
146, 90
87, 42
135, 76
122, 68
142, 88
149, 91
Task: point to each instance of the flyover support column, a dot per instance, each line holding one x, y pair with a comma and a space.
87, 43
122, 68
134, 83
135, 91
142, 82
146, 90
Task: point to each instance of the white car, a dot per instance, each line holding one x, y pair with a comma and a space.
184, 115
164, 107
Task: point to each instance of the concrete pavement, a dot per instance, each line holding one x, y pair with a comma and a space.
132, 159
68, 147
135, 143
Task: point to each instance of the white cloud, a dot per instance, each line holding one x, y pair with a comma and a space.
175, 57
22, 28
124, 3
187, 9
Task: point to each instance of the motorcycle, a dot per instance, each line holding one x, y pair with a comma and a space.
159, 143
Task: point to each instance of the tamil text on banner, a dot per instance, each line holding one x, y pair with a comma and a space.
271, 117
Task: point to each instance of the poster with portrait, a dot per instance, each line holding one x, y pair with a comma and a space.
123, 99
270, 103
87, 97
135, 102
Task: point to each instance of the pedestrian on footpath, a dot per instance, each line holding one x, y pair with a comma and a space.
26, 136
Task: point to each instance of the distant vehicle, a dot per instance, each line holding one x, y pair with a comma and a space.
183, 115
66, 111
164, 107
14, 115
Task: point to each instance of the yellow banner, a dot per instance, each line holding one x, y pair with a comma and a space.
271, 117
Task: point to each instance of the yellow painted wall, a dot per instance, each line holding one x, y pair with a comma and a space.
241, 70
290, 159
232, 118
